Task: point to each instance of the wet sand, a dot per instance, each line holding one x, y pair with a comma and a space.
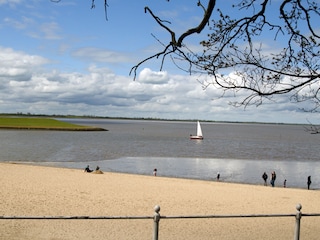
46, 191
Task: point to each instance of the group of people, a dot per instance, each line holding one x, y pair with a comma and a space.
264, 176
88, 170
274, 176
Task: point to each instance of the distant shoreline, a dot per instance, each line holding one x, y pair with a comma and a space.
136, 118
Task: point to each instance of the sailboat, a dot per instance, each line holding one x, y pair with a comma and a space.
199, 133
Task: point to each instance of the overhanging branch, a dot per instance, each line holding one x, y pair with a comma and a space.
174, 43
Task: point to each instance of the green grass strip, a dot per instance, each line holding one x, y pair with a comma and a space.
42, 123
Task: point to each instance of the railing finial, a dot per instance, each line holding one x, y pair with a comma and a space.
298, 218
298, 207
156, 219
157, 208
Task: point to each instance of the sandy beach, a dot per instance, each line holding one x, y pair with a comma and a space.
46, 191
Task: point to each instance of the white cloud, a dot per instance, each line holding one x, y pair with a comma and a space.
149, 76
10, 2
50, 30
45, 30
99, 55
28, 86
18, 66
18, 24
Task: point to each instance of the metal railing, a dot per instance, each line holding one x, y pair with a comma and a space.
156, 218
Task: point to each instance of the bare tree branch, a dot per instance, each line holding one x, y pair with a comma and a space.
105, 7
174, 44
200, 27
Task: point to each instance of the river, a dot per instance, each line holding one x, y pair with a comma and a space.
241, 152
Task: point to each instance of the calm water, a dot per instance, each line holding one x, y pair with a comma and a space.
240, 152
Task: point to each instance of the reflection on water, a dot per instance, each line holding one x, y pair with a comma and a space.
240, 152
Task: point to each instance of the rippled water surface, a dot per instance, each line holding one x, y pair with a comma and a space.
240, 152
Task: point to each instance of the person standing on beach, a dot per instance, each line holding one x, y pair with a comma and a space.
285, 183
155, 172
218, 176
309, 182
273, 178
265, 177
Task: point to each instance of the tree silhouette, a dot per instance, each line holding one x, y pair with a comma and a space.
236, 45
236, 56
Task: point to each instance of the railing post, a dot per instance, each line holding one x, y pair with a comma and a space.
156, 219
297, 227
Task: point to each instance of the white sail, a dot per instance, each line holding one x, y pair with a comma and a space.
199, 130
199, 133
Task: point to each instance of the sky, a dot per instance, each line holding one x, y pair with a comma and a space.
66, 58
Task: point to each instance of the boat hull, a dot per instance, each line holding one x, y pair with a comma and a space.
196, 138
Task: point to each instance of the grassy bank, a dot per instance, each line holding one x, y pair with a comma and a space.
42, 124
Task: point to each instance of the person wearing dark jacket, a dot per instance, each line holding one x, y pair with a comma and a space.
273, 178
309, 182
265, 177
87, 169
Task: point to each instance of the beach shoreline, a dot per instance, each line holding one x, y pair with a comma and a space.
29, 190
105, 167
